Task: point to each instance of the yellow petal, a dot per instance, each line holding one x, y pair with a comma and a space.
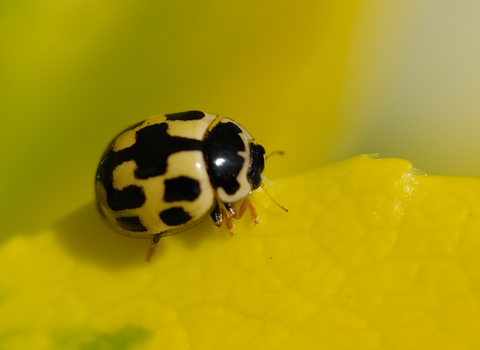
371, 255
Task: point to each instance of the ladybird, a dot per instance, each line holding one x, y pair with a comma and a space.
166, 173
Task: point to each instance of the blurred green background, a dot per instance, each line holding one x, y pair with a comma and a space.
321, 80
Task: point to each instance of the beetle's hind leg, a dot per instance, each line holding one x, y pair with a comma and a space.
153, 246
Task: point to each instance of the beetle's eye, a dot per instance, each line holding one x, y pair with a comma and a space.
257, 164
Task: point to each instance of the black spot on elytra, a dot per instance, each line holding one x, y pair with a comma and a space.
131, 223
221, 154
189, 115
154, 146
175, 216
181, 189
130, 197
150, 152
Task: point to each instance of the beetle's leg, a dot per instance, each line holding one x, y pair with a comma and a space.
237, 214
228, 221
153, 245
217, 215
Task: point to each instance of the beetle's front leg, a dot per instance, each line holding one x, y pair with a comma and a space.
237, 214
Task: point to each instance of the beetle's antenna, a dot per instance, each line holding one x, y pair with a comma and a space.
274, 201
274, 152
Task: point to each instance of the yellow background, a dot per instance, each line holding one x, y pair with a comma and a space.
321, 80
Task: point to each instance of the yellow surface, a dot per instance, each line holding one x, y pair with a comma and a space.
370, 256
